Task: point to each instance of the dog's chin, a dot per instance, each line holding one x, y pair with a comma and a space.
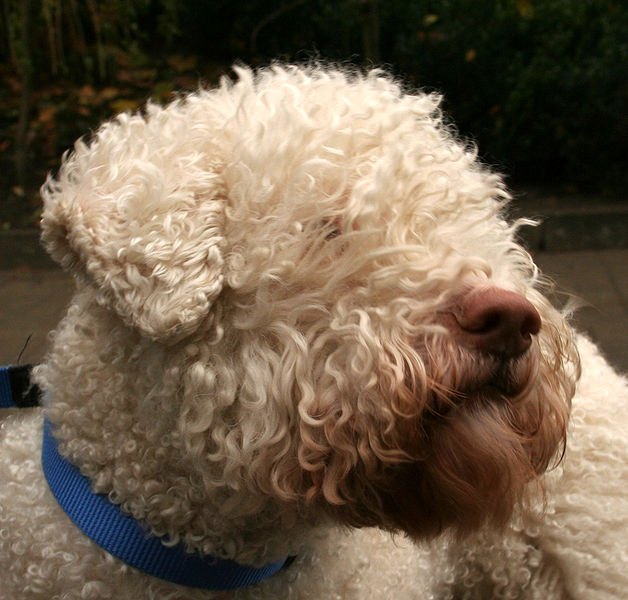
462, 454
478, 460
477, 471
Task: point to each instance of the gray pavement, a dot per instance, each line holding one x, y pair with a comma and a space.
599, 280
33, 299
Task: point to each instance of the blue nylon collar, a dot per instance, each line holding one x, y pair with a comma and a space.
118, 533
6, 394
124, 537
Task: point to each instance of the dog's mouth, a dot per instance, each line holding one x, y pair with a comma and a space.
454, 444
476, 466
503, 378
490, 427
460, 377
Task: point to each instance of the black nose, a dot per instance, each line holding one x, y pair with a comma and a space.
496, 321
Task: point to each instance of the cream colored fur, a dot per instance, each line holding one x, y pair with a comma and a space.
253, 362
574, 546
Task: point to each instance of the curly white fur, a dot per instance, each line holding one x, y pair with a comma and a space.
573, 545
253, 355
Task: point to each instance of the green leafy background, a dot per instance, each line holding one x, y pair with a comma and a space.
540, 85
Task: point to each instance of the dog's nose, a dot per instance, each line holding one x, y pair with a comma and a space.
496, 321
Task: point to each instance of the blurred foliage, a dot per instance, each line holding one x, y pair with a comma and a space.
540, 85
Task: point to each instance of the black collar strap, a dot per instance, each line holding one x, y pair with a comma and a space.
16, 389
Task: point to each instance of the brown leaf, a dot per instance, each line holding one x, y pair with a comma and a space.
183, 63
525, 8
108, 93
86, 94
124, 105
47, 114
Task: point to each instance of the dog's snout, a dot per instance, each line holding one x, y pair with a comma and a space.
496, 321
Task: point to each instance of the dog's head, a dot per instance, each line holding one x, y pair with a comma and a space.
349, 322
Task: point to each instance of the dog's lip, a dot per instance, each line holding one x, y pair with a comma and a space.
490, 390
501, 379
489, 377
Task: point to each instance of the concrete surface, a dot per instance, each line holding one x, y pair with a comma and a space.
568, 223
599, 279
33, 299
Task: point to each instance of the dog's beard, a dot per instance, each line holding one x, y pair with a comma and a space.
479, 459
485, 433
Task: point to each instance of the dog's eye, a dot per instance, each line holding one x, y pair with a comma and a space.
334, 232
332, 229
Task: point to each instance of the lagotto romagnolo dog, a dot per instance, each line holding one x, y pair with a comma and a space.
303, 327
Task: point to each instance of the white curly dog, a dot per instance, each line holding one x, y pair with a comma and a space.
304, 328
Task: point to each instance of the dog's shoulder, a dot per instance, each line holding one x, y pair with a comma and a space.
360, 564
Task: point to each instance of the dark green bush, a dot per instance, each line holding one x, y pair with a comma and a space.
540, 85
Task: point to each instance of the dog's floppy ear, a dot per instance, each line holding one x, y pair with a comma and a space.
140, 215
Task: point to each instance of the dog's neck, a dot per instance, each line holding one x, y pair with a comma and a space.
115, 403
126, 538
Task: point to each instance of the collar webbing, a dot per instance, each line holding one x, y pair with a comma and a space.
113, 530
6, 393
126, 538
